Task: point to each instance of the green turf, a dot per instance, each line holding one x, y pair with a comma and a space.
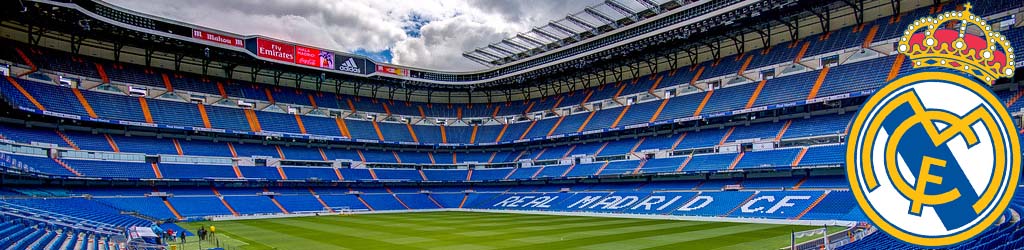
468, 230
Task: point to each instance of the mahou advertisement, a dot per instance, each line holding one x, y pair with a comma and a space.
217, 38
275, 50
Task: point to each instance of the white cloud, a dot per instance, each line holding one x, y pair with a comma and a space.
452, 26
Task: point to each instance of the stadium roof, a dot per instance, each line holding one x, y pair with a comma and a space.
604, 17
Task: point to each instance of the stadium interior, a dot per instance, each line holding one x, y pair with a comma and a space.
729, 110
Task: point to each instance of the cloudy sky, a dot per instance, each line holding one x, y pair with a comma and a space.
420, 33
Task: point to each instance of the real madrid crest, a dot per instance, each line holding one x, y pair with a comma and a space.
933, 158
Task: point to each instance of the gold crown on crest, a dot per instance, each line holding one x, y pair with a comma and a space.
972, 47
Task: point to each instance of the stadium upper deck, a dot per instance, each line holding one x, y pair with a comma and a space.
689, 33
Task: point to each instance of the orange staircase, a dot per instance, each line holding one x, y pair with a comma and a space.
736, 161
362, 158
65, 165
757, 92
618, 119
85, 103
870, 37
338, 173
553, 128
803, 50
103, 73
156, 171
740, 205
657, 112
601, 148
822, 197
1015, 97
372, 173
896, 65
680, 140
696, 76
376, 127
568, 170
145, 110
412, 133
167, 82
278, 204
67, 139
221, 90
725, 137
26, 94
270, 97
585, 122
799, 156
173, 210
800, 183
231, 148
745, 64
223, 201
317, 196
322, 155
528, 108
254, 121
655, 86
528, 128
438, 204
472, 137
464, 198
238, 172
312, 101
298, 121
422, 175
397, 159
703, 102
342, 128
280, 171
817, 83
364, 202
681, 166
206, 118
444, 134
32, 66
639, 166
400, 201
177, 146
279, 152
599, 170
110, 141
510, 173
501, 133
782, 131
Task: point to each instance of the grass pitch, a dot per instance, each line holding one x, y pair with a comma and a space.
468, 230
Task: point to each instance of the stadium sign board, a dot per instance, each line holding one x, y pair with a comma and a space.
217, 38
314, 57
275, 50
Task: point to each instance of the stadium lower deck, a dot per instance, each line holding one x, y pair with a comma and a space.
469, 230
739, 166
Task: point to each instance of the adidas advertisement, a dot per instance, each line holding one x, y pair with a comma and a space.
352, 64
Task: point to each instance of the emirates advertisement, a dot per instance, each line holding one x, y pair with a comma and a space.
275, 50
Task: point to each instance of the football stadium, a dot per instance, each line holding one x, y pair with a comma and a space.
626, 124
